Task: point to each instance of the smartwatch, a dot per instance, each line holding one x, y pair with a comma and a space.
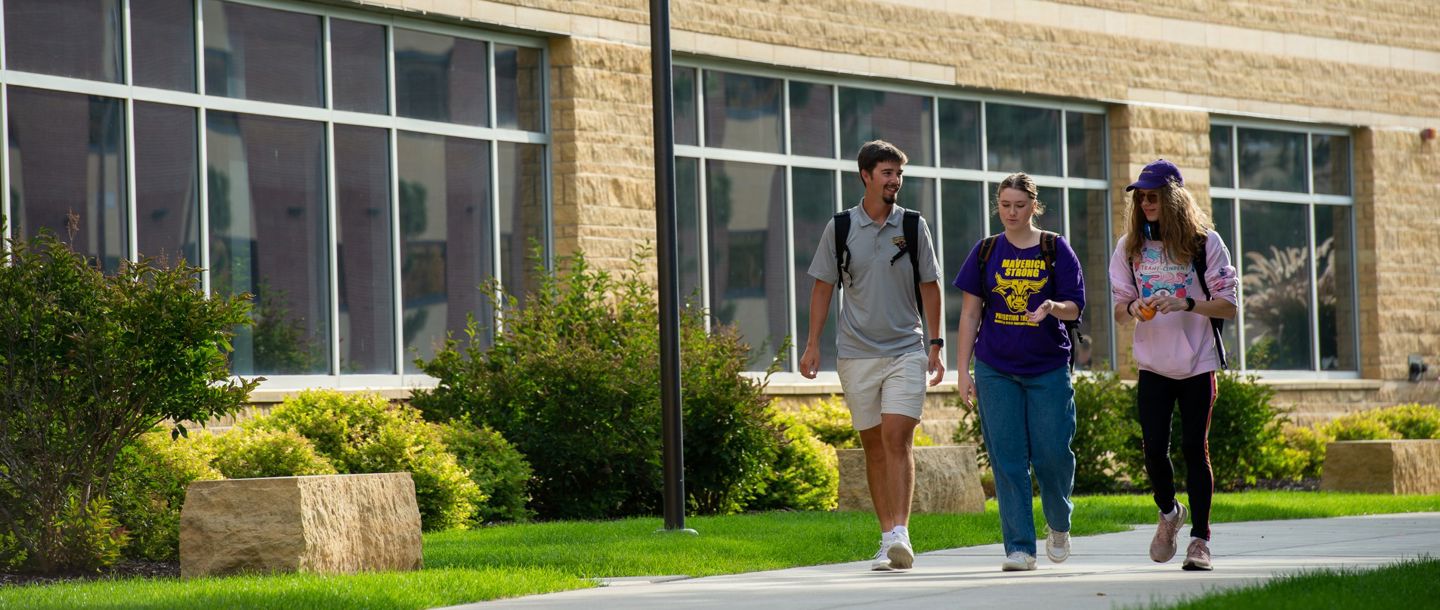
937, 342
1189, 304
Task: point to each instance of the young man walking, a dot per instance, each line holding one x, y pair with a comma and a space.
883, 356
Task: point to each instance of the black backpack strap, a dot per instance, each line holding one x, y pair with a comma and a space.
987, 247
1072, 327
1217, 325
910, 228
842, 252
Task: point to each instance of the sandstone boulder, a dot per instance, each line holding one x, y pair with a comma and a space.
325, 524
1387, 467
947, 480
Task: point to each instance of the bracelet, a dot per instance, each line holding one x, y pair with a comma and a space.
1130, 308
1189, 304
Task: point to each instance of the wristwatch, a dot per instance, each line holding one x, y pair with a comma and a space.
937, 342
1189, 304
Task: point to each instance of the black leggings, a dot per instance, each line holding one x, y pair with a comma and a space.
1196, 395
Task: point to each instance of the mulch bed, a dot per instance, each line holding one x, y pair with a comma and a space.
124, 569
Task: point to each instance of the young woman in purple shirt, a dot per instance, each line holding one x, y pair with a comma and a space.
1015, 301
1156, 280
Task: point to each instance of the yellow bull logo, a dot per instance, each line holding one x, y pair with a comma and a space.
1017, 292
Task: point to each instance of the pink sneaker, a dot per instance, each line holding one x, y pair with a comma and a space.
1197, 557
1163, 546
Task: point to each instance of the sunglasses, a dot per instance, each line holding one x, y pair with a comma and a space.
1150, 197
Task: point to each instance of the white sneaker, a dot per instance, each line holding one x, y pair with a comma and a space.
881, 561
902, 556
1019, 561
1057, 546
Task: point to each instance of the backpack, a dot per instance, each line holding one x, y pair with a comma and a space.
1047, 253
1217, 325
909, 227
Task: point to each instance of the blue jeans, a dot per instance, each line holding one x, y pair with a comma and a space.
1028, 420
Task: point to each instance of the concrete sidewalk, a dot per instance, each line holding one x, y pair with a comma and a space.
1106, 571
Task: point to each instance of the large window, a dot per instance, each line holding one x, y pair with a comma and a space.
1283, 202
764, 160
360, 176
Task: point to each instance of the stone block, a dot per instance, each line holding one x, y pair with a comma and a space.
947, 480
1389, 466
324, 524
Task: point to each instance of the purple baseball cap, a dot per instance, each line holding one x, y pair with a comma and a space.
1157, 174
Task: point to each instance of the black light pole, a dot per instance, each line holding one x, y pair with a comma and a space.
671, 424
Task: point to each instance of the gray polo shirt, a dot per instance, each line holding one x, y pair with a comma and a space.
878, 314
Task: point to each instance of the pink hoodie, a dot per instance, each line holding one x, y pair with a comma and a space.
1181, 344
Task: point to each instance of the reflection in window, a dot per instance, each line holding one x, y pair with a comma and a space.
1332, 164
1276, 285
440, 78
682, 87
1221, 157
257, 53
1023, 139
358, 59
959, 134
1272, 160
1085, 144
67, 171
1336, 289
167, 182
268, 237
367, 277
517, 88
901, 119
80, 38
522, 216
813, 194
446, 248
1090, 238
748, 266
964, 206
163, 43
812, 120
687, 221
742, 112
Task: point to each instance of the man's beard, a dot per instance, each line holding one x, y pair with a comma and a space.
889, 198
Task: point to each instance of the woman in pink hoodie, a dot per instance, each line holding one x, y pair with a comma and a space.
1171, 273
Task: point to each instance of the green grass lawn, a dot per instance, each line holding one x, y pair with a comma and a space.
514, 560
1407, 584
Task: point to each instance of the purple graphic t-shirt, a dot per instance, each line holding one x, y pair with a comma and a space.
1014, 282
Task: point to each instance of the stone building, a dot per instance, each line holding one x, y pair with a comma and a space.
362, 166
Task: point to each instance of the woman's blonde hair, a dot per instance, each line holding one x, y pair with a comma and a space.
1181, 223
1022, 182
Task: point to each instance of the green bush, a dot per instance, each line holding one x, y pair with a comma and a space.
148, 490
1362, 426
1298, 455
247, 453
1414, 421
497, 468
89, 362
363, 433
829, 420
90, 537
572, 379
805, 475
1244, 427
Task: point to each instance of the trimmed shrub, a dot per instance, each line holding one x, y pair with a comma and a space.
829, 420
1107, 432
1362, 426
251, 454
1298, 455
497, 468
90, 362
148, 490
1413, 420
805, 475
363, 433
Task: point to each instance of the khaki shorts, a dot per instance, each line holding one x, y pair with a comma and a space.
891, 385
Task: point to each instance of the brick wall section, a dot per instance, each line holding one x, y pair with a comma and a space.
604, 190
1139, 135
1408, 23
1397, 194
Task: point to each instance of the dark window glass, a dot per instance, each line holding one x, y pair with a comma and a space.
522, 216
1222, 157
1336, 290
1085, 144
687, 220
517, 88
959, 134
742, 112
257, 53
77, 38
1272, 160
812, 120
441, 78
167, 182
269, 237
1276, 285
964, 207
358, 61
1332, 164
163, 44
446, 248
1023, 139
363, 246
67, 171
1090, 238
813, 194
683, 88
1223, 216
748, 262
901, 119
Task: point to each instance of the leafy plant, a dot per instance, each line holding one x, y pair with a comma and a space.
805, 474
248, 453
497, 468
148, 489
88, 362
